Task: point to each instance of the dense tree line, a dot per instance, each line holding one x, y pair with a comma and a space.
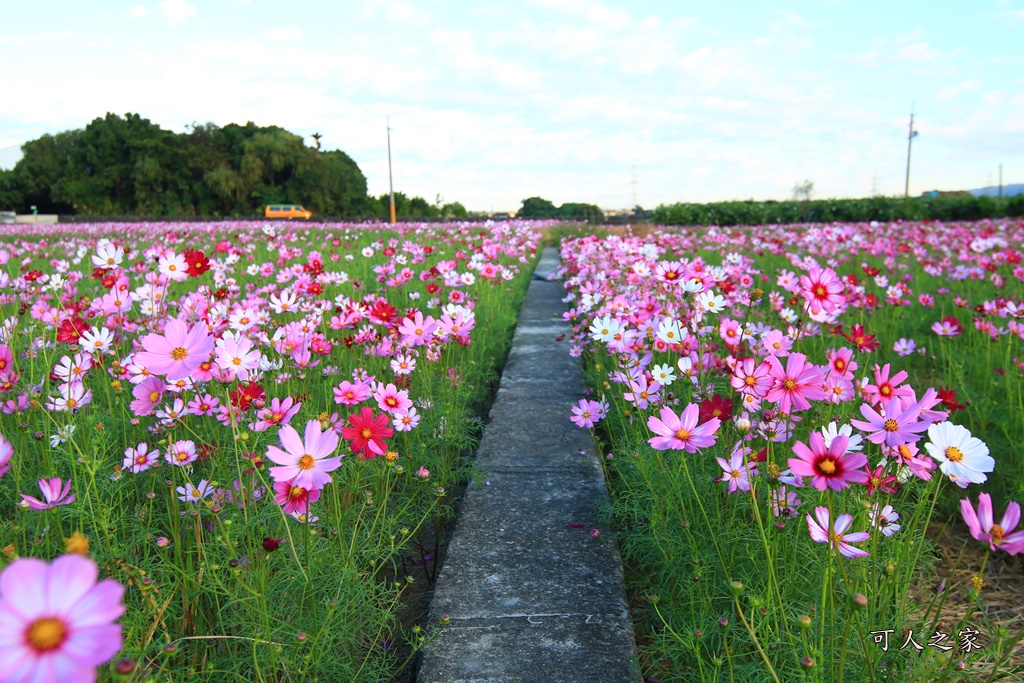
537, 207
843, 210
131, 166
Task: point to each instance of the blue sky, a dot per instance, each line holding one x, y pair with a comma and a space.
492, 102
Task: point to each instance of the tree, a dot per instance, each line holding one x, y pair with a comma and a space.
536, 207
802, 191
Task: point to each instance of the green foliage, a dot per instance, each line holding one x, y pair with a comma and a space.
131, 166
842, 210
537, 207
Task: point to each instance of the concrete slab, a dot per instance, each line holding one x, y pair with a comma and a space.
530, 593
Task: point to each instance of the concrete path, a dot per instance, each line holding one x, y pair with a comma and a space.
531, 598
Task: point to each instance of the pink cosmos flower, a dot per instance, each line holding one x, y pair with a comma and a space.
278, 413
236, 354
885, 388
351, 394
821, 287
56, 622
775, 343
829, 467
585, 414
390, 399
178, 352
680, 432
54, 493
405, 420
294, 499
899, 425
140, 458
998, 536
735, 471
418, 330
305, 463
147, 395
793, 386
181, 453
836, 536
6, 452
751, 377
841, 363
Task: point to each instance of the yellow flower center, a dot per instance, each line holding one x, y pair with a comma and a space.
885, 390
236, 361
366, 433
789, 384
997, 532
827, 466
155, 396
954, 454
46, 634
296, 492
306, 462
750, 380
179, 353
683, 434
891, 425
72, 403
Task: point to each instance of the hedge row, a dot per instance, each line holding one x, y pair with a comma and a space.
840, 210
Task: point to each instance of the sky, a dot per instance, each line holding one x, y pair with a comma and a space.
611, 103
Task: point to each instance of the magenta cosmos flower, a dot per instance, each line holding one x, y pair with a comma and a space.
305, 464
178, 352
835, 535
54, 493
998, 536
898, 426
829, 467
821, 288
56, 622
792, 387
680, 432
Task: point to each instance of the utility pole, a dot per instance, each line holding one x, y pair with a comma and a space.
391, 185
911, 134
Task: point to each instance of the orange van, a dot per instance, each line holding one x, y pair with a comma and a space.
288, 211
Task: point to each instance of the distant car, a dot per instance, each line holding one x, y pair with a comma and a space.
7, 217
288, 211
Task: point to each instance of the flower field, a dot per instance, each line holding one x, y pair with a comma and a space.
790, 415
225, 448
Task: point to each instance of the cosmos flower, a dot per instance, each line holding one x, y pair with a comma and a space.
56, 622
305, 463
821, 287
681, 432
835, 535
998, 536
367, 433
795, 386
178, 351
828, 466
54, 493
961, 457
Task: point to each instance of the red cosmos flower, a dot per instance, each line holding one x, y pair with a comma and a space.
220, 294
858, 335
885, 484
315, 288
33, 275
367, 432
948, 397
71, 330
197, 262
382, 313
716, 406
244, 397
870, 271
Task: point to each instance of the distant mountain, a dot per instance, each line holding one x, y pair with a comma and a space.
1008, 191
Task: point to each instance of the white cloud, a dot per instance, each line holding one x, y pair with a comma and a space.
176, 11
283, 34
955, 90
140, 11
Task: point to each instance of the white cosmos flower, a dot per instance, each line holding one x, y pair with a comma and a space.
664, 374
961, 457
832, 430
604, 329
711, 302
693, 285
